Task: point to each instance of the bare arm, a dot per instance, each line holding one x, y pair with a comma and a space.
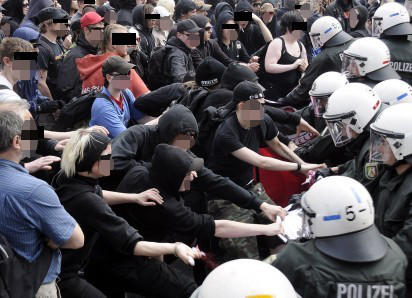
146, 198
263, 28
233, 229
263, 162
76, 241
283, 150
273, 55
42, 85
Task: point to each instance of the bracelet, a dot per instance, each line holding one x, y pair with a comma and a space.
299, 167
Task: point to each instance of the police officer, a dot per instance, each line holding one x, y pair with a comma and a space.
350, 111
367, 60
391, 24
347, 257
329, 41
393, 91
391, 144
322, 89
245, 278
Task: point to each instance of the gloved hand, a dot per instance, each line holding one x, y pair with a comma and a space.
322, 173
50, 106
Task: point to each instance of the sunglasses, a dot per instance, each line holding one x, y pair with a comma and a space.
257, 4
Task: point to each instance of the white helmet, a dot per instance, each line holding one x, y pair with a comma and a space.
350, 109
391, 19
244, 278
368, 56
339, 212
392, 132
327, 30
393, 91
323, 87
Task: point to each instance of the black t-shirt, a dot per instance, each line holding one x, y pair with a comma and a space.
50, 57
229, 137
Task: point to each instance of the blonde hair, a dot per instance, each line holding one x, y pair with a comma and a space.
74, 150
107, 36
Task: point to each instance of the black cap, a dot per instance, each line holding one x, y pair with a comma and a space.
116, 64
50, 13
209, 72
367, 245
247, 90
384, 73
187, 26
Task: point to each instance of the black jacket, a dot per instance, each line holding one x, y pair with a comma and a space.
83, 199
179, 60
329, 59
68, 81
210, 48
401, 55
136, 146
336, 10
124, 15
147, 41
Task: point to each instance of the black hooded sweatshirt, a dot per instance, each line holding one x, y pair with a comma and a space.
169, 166
236, 50
124, 15
82, 197
136, 146
71, 85
179, 60
147, 41
251, 36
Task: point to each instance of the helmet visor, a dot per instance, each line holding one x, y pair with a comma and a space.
319, 104
376, 27
351, 66
340, 132
315, 40
380, 150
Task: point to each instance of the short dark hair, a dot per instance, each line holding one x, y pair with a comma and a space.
11, 125
288, 19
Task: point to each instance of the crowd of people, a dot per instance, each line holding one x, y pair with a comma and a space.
137, 138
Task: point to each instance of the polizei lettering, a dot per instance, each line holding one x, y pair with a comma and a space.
351, 290
402, 66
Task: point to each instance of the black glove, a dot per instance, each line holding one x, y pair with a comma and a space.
50, 106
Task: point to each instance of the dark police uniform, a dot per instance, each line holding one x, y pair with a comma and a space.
329, 59
393, 213
401, 57
314, 274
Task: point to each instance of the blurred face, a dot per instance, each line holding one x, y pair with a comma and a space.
60, 29
150, 23
110, 17
185, 186
94, 34
21, 69
191, 40
102, 167
25, 7
119, 81
230, 34
29, 136
297, 34
121, 50
208, 31
184, 142
165, 23
251, 112
267, 17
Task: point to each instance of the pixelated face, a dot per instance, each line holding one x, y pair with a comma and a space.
110, 17
191, 40
29, 137
251, 112
229, 30
120, 81
94, 33
184, 142
23, 65
103, 167
61, 27
353, 17
165, 24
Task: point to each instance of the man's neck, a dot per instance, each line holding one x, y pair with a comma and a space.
401, 169
9, 156
51, 36
7, 74
114, 92
243, 123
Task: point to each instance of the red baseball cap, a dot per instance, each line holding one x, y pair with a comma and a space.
90, 18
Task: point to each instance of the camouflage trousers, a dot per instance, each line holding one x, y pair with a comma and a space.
244, 247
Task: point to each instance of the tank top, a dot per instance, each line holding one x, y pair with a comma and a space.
279, 84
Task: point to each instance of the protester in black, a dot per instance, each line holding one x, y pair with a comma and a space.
86, 158
358, 25
145, 27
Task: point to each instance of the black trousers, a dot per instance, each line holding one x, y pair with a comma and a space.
77, 287
140, 275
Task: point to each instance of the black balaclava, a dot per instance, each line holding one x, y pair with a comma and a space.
98, 143
346, 5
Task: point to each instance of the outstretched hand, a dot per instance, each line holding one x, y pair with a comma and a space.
150, 197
